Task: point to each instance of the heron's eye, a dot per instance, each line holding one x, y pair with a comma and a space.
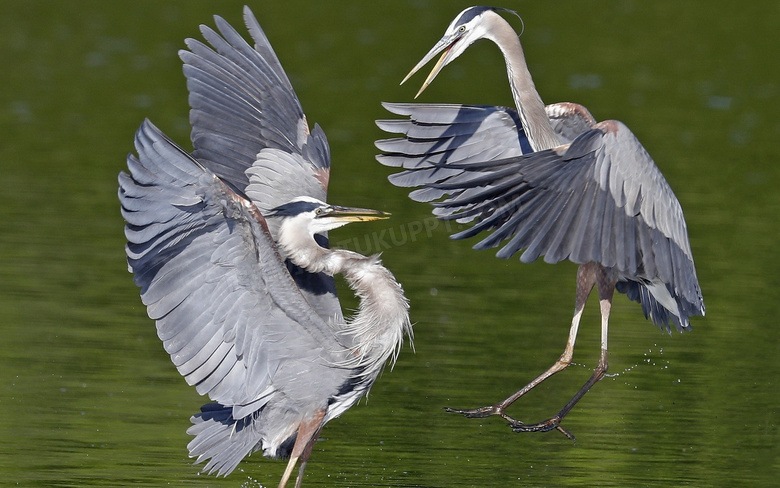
462, 29
318, 211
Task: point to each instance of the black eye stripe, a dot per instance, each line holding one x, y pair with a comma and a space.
294, 208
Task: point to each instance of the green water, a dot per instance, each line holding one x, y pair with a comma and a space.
89, 398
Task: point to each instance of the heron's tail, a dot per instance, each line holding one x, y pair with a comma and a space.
662, 308
221, 439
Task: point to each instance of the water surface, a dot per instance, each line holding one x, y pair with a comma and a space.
89, 397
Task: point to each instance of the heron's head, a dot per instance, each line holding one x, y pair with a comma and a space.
470, 25
312, 216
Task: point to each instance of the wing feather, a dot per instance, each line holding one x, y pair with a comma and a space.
214, 245
247, 124
598, 198
242, 102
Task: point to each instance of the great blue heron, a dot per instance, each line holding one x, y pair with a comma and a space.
228, 245
553, 181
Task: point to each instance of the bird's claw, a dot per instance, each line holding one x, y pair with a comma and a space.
475, 413
544, 426
553, 423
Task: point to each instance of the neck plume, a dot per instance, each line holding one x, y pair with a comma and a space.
375, 332
529, 104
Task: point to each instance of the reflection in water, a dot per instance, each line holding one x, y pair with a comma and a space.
88, 394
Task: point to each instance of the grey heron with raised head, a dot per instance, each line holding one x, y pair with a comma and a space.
229, 247
550, 180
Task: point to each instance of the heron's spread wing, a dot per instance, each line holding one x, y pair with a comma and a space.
435, 134
601, 199
227, 310
243, 106
248, 127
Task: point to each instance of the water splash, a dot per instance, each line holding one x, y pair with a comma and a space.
650, 359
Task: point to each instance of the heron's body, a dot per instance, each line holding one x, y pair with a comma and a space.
229, 247
554, 182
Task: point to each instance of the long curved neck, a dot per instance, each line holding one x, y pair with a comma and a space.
382, 317
529, 104
376, 330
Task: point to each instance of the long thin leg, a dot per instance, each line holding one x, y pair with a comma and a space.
586, 279
308, 431
301, 469
305, 456
606, 287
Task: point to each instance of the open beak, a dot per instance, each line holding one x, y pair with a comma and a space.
445, 44
351, 214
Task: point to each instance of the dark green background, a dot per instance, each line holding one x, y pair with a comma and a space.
88, 397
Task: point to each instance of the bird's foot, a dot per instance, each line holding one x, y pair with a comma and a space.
477, 413
553, 423
543, 426
483, 412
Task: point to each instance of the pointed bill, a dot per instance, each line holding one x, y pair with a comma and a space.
352, 214
445, 44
